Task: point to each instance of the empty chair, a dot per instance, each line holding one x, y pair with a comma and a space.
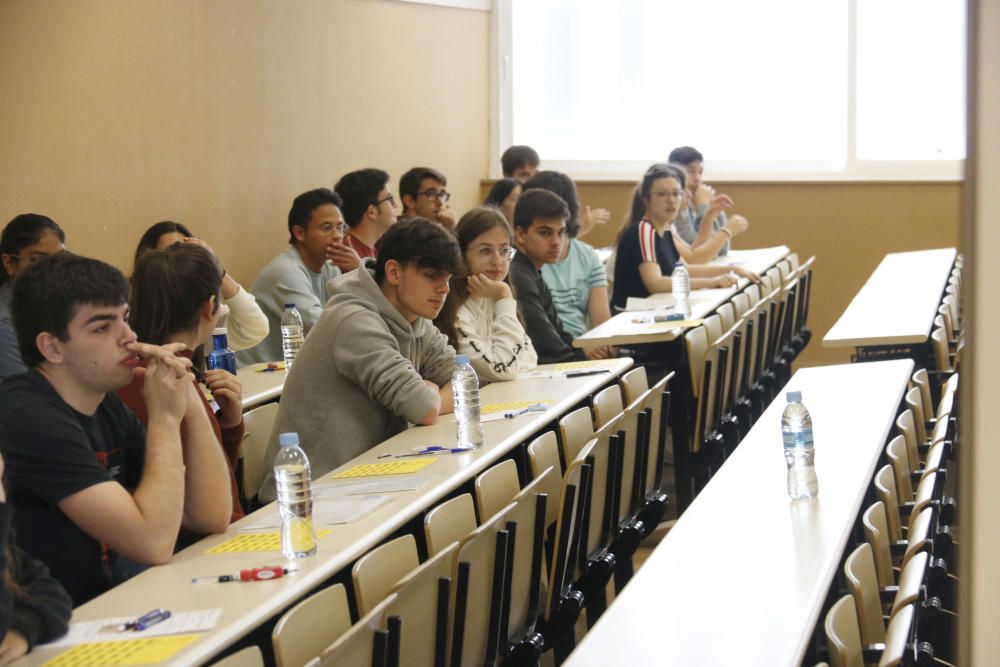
575, 429
310, 626
713, 325
607, 405
741, 304
377, 572
876, 531
843, 639
908, 430
257, 425
923, 382
862, 582
942, 356
727, 315
449, 522
496, 487
366, 643
896, 451
248, 657
543, 454
897, 637
885, 490
634, 383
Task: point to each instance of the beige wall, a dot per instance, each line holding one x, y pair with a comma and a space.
848, 226
119, 113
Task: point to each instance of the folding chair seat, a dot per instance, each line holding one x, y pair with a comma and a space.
377, 572
449, 522
634, 383
371, 642
496, 488
306, 629
607, 405
575, 430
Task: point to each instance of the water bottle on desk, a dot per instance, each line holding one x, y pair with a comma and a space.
221, 356
291, 334
797, 436
292, 479
465, 395
680, 285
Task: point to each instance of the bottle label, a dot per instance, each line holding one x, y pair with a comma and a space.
802, 439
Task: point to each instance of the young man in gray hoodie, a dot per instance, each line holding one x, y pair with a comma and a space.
374, 361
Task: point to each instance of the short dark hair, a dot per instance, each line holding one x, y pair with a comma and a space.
500, 191
685, 155
48, 293
304, 205
359, 190
409, 183
537, 205
152, 236
421, 242
168, 288
562, 185
518, 156
26, 230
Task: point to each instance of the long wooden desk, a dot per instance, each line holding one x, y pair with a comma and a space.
892, 315
247, 606
258, 387
742, 576
666, 343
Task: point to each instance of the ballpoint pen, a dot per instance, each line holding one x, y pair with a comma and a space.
255, 574
537, 407
146, 620
434, 449
580, 374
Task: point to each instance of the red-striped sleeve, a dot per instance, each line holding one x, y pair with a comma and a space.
647, 241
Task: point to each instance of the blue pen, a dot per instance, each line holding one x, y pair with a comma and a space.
146, 620
436, 449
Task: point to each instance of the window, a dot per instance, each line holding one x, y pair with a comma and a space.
765, 89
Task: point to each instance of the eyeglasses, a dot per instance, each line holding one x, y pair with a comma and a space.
342, 228
433, 193
389, 198
35, 256
504, 252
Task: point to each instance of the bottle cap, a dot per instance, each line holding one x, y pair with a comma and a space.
288, 439
220, 331
461, 359
289, 305
794, 396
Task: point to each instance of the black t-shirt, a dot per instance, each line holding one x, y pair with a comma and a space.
51, 451
639, 244
541, 322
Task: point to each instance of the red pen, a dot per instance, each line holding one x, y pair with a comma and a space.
255, 574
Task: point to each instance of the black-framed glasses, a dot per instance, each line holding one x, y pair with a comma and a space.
389, 198
433, 193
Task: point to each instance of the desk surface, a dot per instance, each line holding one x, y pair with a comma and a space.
898, 303
625, 329
742, 577
258, 387
247, 606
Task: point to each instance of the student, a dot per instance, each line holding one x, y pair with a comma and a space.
540, 229
480, 315
239, 313
94, 491
423, 195
26, 239
519, 162
34, 607
503, 195
577, 280
369, 208
300, 274
175, 299
646, 248
702, 203
374, 361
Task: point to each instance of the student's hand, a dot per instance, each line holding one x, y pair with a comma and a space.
746, 273
594, 353
718, 204
343, 256
591, 217
725, 280
737, 224
228, 393
13, 646
484, 288
166, 379
194, 240
446, 218
704, 195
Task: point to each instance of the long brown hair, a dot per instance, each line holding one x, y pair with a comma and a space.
473, 224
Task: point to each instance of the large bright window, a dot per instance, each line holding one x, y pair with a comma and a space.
765, 89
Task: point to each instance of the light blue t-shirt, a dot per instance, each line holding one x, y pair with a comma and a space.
570, 282
286, 279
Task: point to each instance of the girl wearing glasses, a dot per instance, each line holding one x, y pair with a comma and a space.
480, 315
26, 239
239, 313
647, 249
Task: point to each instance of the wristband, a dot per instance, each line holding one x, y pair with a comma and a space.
726, 232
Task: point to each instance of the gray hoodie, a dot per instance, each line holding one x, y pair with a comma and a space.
358, 378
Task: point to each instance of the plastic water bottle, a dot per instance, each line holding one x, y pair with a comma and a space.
221, 356
291, 334
680, 284
465, 394
292, 479
797, 436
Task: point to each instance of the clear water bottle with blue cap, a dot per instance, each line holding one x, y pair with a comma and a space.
293, 482
221, 356
797, 437
465, 395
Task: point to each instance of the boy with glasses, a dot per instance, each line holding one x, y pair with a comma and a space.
423, 195
318, 253
369, 208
